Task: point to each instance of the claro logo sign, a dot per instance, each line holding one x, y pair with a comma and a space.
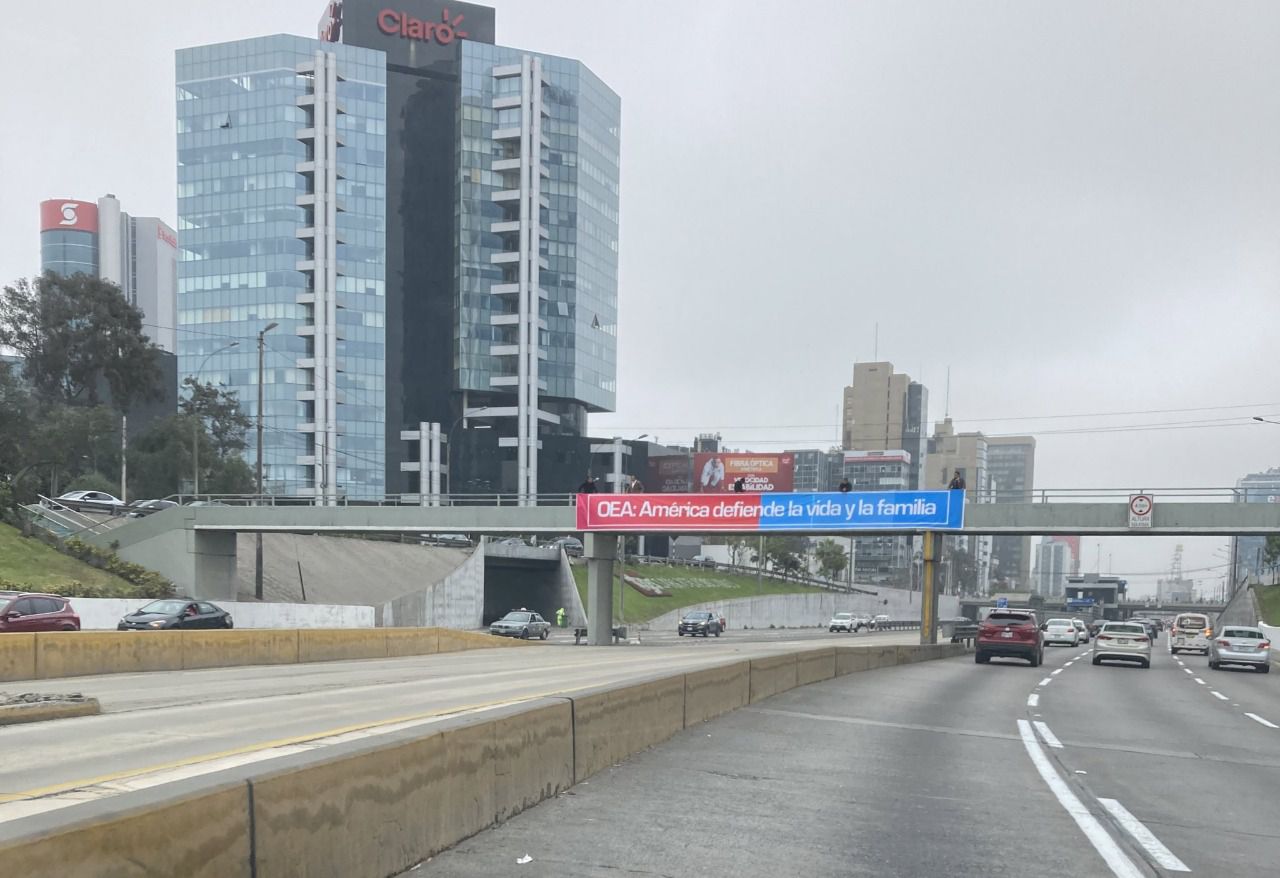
407, 27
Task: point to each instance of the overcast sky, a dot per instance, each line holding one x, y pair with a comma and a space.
1073, 207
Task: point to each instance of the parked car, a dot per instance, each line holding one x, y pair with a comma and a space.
1011, 634
523, 624
99, 501
1190, 631
702, 561
184, 613
1081, 629
699, 622
461, 541
1241, 645
1123, 641
571, 546
26, 611
139, 508
844, 622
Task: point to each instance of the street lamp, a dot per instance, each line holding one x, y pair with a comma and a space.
1263, 420
257, 566
195, 426
448, 441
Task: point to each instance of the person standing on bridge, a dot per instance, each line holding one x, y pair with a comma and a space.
635, 486
739, 484
588, 486
845, 486
957, 482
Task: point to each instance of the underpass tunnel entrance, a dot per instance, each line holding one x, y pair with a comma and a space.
511, 584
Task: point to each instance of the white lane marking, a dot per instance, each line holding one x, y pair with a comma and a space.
1056, 673
1144, 836
1045, 682
1104, 844
1187, 671
1266, 722
1201, 682
1218, 695
1049, 737
1033, 700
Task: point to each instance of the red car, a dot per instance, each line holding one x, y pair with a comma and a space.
1009, 633
22, 611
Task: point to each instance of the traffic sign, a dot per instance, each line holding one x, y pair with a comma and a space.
1140, 508
1002, 603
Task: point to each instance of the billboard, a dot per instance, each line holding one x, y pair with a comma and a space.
669, 474
803, 513
716, 472
64, 213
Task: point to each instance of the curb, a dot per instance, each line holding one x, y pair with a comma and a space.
13, 714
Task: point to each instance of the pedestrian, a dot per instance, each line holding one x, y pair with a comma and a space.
635, 486
739, 485
588, 486
560, 618
957, 482
845, 487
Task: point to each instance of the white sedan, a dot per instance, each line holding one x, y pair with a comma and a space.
90, 500
1123, 641
1061, 631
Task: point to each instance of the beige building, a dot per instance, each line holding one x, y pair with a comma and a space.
950, 452
884, 411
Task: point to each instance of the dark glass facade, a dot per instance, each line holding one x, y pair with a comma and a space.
69, 252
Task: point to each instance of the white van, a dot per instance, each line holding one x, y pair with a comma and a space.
1190, 631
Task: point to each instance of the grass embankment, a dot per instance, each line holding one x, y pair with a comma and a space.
29, 563
1269, 603
685, 586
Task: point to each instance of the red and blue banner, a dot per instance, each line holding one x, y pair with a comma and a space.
703, 513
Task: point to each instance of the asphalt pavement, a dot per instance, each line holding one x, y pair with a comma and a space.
938, 768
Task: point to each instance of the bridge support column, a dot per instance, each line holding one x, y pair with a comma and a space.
600, 551
932, 546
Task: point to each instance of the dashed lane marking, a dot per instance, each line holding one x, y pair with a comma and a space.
1201, 682
1045, 682
1033, 700
1049, 737
1218, 695
1057, 672
1144, 836
1266, 722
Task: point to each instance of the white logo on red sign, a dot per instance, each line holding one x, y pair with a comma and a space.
69, 217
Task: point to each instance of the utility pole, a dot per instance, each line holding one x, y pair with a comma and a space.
124, 458
257, 559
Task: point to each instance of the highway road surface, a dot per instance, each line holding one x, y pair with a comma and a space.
166, 726
941, 768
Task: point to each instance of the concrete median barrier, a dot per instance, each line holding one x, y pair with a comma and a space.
881, 657
217, 649
80, 653
715, 691
772, 675
612, 723
532, 756
815, 665
17, 656
341, 644
412, 641
200, 834
851, 659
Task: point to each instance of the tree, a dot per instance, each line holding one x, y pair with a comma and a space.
782, 553
17, 413
220, 411
832, 559
75, 440
1271, 555
74, 333
160, 461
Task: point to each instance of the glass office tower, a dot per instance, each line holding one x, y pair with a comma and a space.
281, 216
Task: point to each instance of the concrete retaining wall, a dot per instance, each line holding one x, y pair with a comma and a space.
811, 610
102, 614
1242, 609
457, 601
85, 653
377, 806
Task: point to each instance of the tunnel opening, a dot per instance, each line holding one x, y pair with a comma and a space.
511, 584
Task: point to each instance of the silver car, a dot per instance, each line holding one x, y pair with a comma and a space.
1240, 645
522, 624
1124, 641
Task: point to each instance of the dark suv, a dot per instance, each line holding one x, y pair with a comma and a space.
700, 622
21, 611
1009, 633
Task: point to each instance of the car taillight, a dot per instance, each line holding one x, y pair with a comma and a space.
1266, 644
1104, 636
1225, 643
1142, 638
1208, 632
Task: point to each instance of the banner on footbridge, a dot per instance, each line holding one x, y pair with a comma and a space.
700, 513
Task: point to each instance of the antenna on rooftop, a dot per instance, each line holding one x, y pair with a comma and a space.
947, 412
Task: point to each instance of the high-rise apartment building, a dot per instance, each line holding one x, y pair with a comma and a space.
1055, 561
966, 454
885, 410
880, 558
1011, 463
139, 254
431, 220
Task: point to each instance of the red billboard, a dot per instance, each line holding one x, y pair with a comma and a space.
668, 474
715, 472
63, 213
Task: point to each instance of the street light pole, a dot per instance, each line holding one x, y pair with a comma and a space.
257, 565
195, 426
448, 444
